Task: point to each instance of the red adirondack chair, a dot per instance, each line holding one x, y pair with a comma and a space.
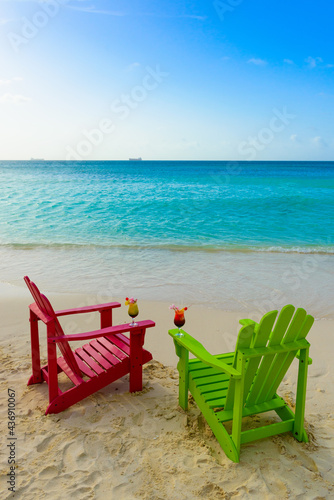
92, 366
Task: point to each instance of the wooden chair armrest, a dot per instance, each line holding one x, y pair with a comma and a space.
135, 330
88, 309
196, 348
40, 315
246, 322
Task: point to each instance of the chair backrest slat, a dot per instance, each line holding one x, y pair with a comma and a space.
261, 338
278, 361
45, 307
244, 341
289, 357
275, 339
263, 373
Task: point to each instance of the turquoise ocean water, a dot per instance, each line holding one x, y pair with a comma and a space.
236, 235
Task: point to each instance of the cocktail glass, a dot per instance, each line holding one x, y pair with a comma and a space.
179, 319
133, 310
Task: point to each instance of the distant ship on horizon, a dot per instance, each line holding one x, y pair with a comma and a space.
135, 159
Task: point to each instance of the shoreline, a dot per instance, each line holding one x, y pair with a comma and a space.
235, 282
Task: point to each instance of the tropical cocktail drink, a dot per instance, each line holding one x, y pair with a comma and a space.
133, 310
179, 319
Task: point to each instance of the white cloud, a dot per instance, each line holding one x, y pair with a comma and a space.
325, 94
319, 142
14, 98
199, 18
313, 61
288, 61
93, 10
3, 21
257, 62
185, 144
329, 66
40, 1
9, 81
133, 66
294, 138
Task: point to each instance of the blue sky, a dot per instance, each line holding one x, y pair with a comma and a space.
221, 80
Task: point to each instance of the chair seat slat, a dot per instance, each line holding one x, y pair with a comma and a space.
90, 361
112, 348
98, 346
120, 343
83, 366
71, 375
97, 356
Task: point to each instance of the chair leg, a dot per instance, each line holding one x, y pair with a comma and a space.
182, 367
52, 364
52, 371
136, 361
36, 377
237, 406
298, 430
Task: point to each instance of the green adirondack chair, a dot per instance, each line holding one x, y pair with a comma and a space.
231, 386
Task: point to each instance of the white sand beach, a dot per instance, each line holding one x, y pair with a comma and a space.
118, 445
